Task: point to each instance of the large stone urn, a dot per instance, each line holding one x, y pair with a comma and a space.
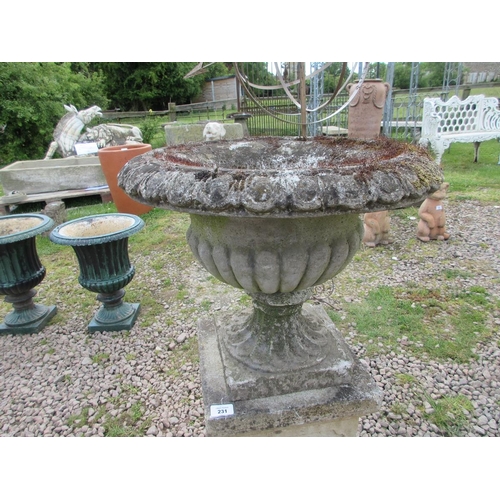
275, 217
100, 243
21, 271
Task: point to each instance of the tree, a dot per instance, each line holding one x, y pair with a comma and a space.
332, 75
377, 70
402, 75
259, 74
32, 99
133, 86
430, 74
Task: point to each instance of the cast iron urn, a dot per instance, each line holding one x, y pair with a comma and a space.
101, 246
21, 271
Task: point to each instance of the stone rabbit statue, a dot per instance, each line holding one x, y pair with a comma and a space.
377, 225
432, 216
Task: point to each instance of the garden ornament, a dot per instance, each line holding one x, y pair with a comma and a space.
214, 131
21, 271
275, 217
100, 243
377, 226
69, 128
112, 134
432, 216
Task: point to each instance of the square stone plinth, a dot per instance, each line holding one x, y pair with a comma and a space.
316, 411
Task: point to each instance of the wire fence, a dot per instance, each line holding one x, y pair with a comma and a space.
403, 120
277, 116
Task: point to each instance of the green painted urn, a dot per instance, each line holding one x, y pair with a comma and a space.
21, 271
100, 243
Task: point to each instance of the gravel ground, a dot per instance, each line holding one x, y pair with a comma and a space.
66, 382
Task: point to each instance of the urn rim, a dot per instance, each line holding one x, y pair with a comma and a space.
283, 176
76, 232
39, 223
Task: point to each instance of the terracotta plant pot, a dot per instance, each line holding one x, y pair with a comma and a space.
112, 159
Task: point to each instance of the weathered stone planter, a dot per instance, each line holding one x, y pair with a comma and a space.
43, 176
276, 217
21, 271
101, 246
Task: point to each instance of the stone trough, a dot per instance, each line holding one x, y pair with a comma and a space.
42, 176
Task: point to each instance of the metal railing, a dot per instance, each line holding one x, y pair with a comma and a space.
402, 115
288, 121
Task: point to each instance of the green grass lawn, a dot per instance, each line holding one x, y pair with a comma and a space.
469, 180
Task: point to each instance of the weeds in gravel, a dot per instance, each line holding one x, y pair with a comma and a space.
405, 378
128, 424
398, 408
206, 305
100, 357
132, 389
451, 413
84, 417
186, 353
444, 324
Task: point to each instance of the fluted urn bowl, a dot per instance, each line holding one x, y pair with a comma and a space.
275, 217
100, 243
21, 271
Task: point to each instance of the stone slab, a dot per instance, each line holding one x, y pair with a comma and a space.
333, 130
325, 411
40, 176
6, 205
193, 132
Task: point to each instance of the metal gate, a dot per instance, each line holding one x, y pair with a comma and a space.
402, 117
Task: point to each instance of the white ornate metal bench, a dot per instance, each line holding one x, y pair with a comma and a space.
475, 119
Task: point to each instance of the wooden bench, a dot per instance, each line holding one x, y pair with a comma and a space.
475, 119
6, 206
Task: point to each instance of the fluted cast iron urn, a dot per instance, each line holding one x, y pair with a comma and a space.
21, 271
101, 246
